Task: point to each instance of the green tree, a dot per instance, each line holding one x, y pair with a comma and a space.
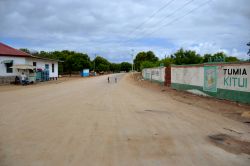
207, 57
231, 59
74, 61
144, 56
248, 44
125, 66
115, 67
101, 64
219, 56
147, 64
68, 64
25, 50
80, 61
166, 61
102, 68
186, 57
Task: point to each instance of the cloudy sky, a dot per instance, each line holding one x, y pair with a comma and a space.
113, 28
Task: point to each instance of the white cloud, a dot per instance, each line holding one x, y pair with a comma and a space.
103, 26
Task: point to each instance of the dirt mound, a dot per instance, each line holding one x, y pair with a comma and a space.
230, 144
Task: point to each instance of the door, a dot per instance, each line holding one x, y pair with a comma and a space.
46, 66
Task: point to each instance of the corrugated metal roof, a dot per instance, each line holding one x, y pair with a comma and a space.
9, 51
6, 50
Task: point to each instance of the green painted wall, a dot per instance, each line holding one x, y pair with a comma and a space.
239, 96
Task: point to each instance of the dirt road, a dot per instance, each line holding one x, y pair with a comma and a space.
90, 122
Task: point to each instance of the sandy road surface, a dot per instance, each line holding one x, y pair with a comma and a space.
89, 122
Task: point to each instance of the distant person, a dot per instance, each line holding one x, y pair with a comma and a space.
108, 79
115, 80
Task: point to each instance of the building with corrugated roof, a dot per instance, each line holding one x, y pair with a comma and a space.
14, 62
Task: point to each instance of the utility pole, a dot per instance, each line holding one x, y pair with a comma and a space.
94, 62
248, 53
132, 55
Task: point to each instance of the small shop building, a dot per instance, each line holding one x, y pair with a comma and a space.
14, 62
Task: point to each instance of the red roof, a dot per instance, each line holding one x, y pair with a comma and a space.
9, 51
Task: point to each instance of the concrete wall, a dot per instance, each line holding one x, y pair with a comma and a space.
222, 80
154, 74
40, 64
234, 77
6, 78
16, 60
187, 75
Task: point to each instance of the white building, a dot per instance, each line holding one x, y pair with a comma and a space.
13, 62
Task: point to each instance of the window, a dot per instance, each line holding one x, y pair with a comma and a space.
34, 63
53, 68
46, 66
8, 69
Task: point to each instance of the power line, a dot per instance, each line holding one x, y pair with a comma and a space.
151, 16
169, 15
176, 19
179, 18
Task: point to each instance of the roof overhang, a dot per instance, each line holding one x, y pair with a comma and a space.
48, 59
23, 67
7, 61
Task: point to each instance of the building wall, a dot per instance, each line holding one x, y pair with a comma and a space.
154, 74
187, 75
19, 60
225, 80
40, 64
16, 60
229, 79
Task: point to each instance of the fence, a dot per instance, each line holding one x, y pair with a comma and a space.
154, 74
221, 80
229, 81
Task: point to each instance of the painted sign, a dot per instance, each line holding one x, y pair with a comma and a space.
210, 78
232, 78
235, 77
223, 80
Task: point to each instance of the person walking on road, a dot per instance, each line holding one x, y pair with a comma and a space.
115, 80
108, 79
